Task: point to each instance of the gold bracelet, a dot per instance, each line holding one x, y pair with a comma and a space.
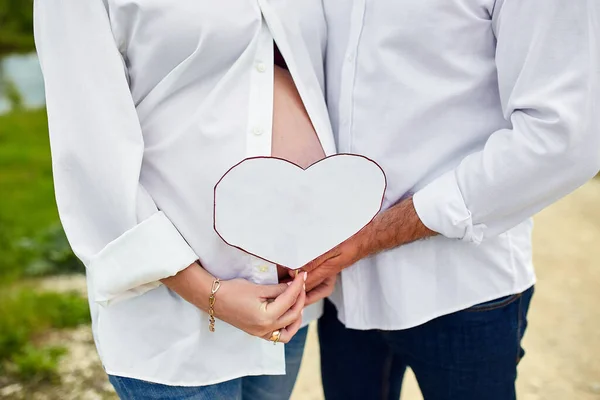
211, 303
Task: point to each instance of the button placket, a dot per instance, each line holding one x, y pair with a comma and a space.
263, 271
261, 67
259, 127
348, 78
263, 268
260, 107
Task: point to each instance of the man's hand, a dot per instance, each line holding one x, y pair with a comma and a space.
321, 290
334, 261
394, 227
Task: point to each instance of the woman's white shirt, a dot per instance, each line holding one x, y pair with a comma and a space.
149, 103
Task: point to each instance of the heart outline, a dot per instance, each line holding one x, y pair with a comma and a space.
303, 169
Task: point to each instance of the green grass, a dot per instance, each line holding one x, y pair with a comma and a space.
24, 316
38, 364
27, 204
31, 244
29, 237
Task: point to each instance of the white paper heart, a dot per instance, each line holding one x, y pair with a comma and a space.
281, 213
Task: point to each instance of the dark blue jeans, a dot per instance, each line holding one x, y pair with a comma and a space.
468, 355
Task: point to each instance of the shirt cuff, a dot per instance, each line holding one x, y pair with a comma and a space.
441, 208
135, 262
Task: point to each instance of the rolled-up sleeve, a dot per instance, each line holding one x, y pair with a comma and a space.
113, 225
548, 65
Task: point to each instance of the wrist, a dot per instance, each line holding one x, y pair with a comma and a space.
397, 226
193, 284
419, 230
208, 294
205, 285
365, 241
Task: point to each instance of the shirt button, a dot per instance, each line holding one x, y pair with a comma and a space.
261, 67
350, 57
257, 131
263, 268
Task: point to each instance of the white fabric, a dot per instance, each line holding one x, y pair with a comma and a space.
488, 110
149, 104
291, 216
115, 275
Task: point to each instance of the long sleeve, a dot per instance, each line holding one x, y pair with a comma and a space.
548, 65
112, 223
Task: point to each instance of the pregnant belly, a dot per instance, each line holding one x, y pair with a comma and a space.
294, 137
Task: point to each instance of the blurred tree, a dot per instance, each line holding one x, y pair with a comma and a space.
16, 25
12, 93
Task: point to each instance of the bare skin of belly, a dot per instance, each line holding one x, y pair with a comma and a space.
294, 137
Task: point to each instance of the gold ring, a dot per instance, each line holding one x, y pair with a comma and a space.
275, 336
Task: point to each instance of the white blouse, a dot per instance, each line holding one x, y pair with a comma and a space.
149, 103
487, 110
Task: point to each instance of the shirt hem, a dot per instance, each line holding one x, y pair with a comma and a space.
424, 320
226, 378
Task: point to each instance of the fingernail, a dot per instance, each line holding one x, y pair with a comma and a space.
305, 276
302, 312
304, 286
289, 283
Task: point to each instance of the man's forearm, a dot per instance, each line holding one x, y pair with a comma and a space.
394, 227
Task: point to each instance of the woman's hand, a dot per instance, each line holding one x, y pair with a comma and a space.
262, 309
256, 309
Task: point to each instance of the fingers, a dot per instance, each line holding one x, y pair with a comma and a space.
294, 313
288, 332
316, 277
286, 300
291, 320
273, 291
285, 334
294, 272
325, 289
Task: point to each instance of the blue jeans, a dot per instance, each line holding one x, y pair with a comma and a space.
265, 387
468, 355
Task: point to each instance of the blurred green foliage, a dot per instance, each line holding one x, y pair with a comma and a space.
48, 253
10, 257
25, 314
38, 364
12, 94
43, 254
32, 243
26, 173
16, 25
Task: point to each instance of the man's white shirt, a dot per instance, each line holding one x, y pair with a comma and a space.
488, 111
